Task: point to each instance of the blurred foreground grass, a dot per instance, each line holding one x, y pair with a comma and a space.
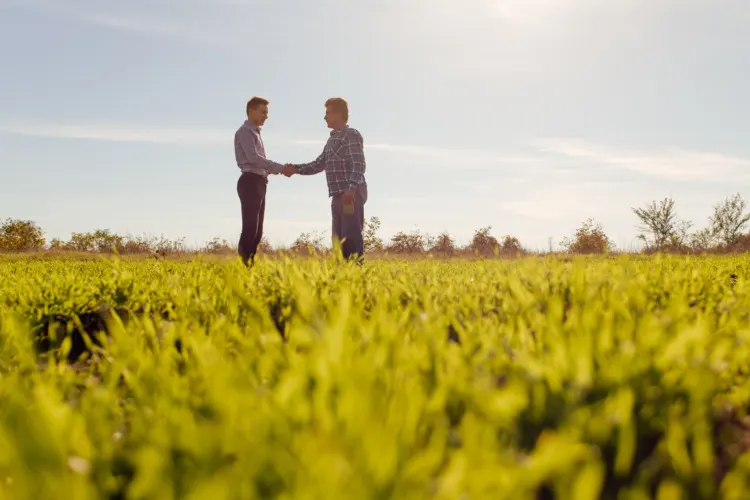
538, 378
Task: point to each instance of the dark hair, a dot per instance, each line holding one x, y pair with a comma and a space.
254, 103
339, 105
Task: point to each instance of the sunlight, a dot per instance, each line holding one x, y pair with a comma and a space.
525, 10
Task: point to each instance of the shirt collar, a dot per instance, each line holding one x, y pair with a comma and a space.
252, 126
335, 131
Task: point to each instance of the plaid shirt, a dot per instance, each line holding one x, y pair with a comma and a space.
343, 159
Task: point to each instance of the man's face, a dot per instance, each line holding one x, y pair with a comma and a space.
333, 119
258, 115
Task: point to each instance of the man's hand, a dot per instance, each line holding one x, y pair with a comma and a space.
289, 169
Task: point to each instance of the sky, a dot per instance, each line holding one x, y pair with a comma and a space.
529, 116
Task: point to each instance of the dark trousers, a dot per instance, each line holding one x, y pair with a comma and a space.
349, 227
251, 189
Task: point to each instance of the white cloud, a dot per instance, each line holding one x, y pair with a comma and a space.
461, 158
551, 11
206, 22
562, 158
526, 10
571, 200
461, 155
158, 27
104, 132
456, 153
192, 136
188, 136
548, 210
402, 200
668, 163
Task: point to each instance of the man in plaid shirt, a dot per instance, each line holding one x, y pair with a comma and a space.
343, 160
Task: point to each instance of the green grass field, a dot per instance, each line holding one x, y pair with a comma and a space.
575, 378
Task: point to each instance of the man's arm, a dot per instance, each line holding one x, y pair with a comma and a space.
253, 156
312, 168
354, 156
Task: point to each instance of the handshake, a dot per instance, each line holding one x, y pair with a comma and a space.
289, 169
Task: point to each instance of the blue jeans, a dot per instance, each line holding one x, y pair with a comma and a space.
349, 227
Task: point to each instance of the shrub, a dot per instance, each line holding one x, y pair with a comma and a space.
483, 243
590, 238
444, 245
409, 243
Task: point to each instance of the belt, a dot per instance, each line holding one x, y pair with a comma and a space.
256, 174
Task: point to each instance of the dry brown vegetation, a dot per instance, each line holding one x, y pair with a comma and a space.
661, 231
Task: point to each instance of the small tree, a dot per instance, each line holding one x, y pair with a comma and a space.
151, 244
81, 242
590, 238
135, 245
106, 241
20, 236
703, 240
369, 234
742, 244
729, 220
101, 240
57, 245
312, 242
218, 246
162, 245
444, 244
510, 245
413, 242
264, 246
661, 222
483, 243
